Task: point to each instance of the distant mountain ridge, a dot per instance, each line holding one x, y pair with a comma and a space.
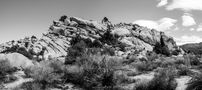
195, 48
56, 41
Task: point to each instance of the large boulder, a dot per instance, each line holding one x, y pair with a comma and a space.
17, 60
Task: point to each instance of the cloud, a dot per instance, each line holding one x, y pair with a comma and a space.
188, 20
160, 25
199, 29
147, 23
162, 3
188, 39
185, 5
166, 24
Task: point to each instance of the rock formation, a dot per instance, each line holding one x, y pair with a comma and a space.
56, 41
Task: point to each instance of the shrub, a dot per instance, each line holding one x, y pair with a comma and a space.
5, 69
120, 77
146, 66
160, 48
31, 86
195, 83
176, 52
45, 73
109, 38
141, 66
183, 70
75, 51
151, 56
179, 61
93, 71
108, 51
163, 80
194, 60
166, 62
96, 44
62, 18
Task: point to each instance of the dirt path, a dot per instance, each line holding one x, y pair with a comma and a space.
181, 82
148, 76
20, 80
139, 79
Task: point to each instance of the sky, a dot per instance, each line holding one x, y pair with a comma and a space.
180, 19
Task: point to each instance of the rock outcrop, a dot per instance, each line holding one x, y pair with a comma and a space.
56, 41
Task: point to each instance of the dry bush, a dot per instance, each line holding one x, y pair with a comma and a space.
46, 72
31, 86
93, 71
146, 66
194, 60
164, 80
166, 62
183, 70
5, 69
179, 60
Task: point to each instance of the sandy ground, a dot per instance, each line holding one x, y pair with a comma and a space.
182, 82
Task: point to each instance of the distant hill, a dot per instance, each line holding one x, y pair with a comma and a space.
195, 48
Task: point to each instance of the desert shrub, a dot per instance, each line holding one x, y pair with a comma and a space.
140, 66
45, 73
58, 66
120, 77
62, 18
88, 42
96, 44
160, 48
73, 74
142, 85
176, 52
195, 83
31, 86
108, 51
145, 66
5, 69
166, 62
179, 61
109, 38
151, 56
76, 40
183, 70
194, 60
75, 51
164, 79
93, 71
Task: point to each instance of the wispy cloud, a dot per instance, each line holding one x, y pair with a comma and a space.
147, 23
166, 23
160, 25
